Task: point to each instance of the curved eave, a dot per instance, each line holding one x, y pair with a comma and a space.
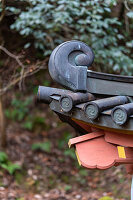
109, 77
104, 121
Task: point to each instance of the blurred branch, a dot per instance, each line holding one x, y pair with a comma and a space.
3, 10
23, 74
17, 4
17, 60
126, 5
27, 73
126, 17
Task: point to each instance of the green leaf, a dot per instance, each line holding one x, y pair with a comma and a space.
35, 90
61, 143
83, 172
67, 136
68, 187
46, 83
130, 44
130, 14
46, 146
3, 157
26, 46
10, 167
8, 113
70, 153
28, 125
39, 120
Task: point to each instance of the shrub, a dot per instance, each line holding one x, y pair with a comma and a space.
51, 22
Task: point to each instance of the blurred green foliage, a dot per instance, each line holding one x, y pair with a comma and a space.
50, 22
68, 187
70, 153
45, 146
6, 164
20, 111
62, 143
64, 139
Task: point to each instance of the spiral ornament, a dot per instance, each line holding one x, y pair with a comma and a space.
119, 116
91, 111
66, 103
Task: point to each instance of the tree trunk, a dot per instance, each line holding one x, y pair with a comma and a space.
2, 125
118, 11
